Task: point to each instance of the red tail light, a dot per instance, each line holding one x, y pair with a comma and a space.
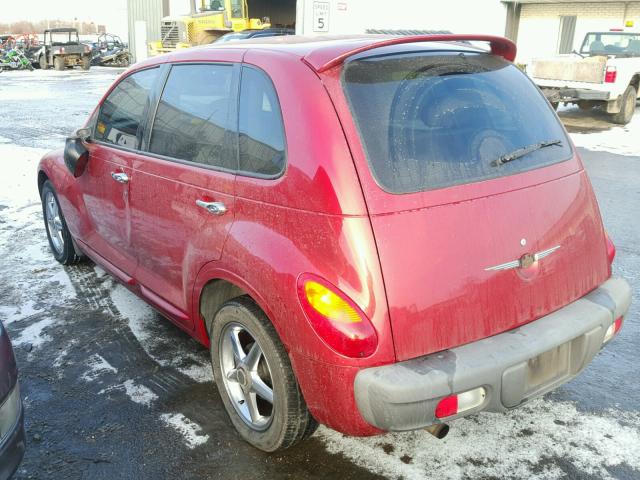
336, 319
610, 75
61, 49
447, 407
462, 402
613, 330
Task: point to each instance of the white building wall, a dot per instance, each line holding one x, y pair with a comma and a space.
539, 31
356, 16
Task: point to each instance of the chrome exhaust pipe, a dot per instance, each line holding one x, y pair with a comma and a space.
439, 430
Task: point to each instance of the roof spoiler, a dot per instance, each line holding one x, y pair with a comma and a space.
322, 60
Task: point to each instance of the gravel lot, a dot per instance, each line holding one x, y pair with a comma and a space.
113, 390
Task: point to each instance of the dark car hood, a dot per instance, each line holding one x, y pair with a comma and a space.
8, 368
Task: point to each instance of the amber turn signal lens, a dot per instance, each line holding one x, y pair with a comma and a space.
337, 319
328, 304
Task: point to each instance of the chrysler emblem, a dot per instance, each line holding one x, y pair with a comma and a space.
525, 261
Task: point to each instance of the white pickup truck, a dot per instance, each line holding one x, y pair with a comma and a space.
605, 72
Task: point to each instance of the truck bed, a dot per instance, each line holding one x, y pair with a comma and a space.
570, 68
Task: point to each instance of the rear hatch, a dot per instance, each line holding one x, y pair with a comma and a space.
469, 245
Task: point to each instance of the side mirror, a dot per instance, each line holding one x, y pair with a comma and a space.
76, 154
84, 134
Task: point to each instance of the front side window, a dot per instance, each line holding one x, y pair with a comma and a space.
120, 117
433, 120
195, 121
262, 141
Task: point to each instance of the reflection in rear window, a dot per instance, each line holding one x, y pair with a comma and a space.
429, 121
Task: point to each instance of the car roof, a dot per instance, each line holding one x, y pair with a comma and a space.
322, 53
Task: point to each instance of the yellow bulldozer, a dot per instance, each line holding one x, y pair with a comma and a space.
202, 26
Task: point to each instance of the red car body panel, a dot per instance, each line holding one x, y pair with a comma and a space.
327, 216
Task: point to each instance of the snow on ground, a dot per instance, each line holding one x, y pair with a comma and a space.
192, 432
34, 333
140, 318
136, 392
620, 140
512, 445
97, 366
139, 393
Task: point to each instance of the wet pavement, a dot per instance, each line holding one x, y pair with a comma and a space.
113, 390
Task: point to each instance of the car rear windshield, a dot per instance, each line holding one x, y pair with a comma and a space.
430, 120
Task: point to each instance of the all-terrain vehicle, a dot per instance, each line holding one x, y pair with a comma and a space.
62, 48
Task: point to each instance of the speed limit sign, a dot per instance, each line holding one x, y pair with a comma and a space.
320, 16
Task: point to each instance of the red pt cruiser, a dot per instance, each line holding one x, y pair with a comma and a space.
373, 233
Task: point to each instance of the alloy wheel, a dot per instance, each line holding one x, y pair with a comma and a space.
54, 222
246, 375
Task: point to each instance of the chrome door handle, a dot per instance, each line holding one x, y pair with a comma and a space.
120, 177
215, 208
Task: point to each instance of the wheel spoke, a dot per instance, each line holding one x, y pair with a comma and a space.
261, 388
50, 208
253, 357
252, 404
238, 352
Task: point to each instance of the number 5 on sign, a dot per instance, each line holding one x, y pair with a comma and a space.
320, 16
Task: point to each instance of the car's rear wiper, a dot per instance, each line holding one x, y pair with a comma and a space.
521, 152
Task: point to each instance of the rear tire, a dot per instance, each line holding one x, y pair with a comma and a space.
585, 106
60, 240
628, 107
240, 326
58, 63
86, 63
43, 62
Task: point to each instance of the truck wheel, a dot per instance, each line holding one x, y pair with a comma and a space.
628, 106
86, 63
585, 105
43, 62
58, 63
255, 380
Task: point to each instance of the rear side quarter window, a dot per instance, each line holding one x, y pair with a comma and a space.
260, 125
195, 117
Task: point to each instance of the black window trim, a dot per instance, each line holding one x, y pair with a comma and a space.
235, 88
145, 114
285, 166
151, 110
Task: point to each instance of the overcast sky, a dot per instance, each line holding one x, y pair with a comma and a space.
112, 13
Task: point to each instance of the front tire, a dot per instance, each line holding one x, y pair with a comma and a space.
628, 107
58, 63
255, 380
60, 240
43, 62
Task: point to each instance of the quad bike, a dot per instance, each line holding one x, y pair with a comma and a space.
110, 50
15, 59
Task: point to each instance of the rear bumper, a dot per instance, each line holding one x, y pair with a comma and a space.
574, 94
404, 395
13, 444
